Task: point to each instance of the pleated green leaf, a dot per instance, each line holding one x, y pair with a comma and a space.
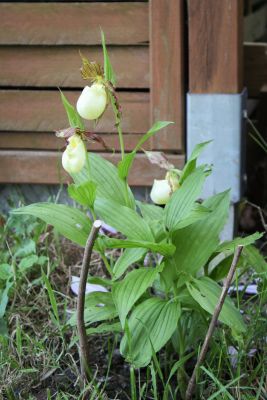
84, 193
128, 257
124, 219
99, 306
151, 323
183, 200
207, 293
125, 165
70, 222
150, 211
130, 289
73, 116
232, 245
196, 243
109, 185
190, 165
166, 249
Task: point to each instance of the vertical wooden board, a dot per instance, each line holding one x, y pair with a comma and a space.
215, 46
167, 71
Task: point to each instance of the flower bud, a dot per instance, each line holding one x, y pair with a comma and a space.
161, 191
92, 102
73, 158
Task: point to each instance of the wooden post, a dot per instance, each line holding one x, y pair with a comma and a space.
167, 71
216, 100
215, 46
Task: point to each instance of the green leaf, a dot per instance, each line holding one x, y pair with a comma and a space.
105, 175
108, 70
220, 266
128, 257
4, 298
104, 328
166, 249
52, 298
255, 259
26, 248
152, 321
207, 292
124, 220
155, 128
190, 166
183, 200
84, 193
28, 262
130, 289
196, 214
70, 222
5, 271
232, 245
73, 116
196, 243
150, 212
125, 165
99, 306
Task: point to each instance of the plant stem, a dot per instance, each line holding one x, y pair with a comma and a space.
87, 160
118, 126
84, 349
108, 267
133, 383
218, 308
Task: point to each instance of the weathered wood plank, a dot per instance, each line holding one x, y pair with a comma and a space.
45, 167
167, 70
73, 23
58, 66
255, 67
215, 46
48, 141
42, 111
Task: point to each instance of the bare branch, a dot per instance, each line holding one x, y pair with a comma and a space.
84, 349
213, 322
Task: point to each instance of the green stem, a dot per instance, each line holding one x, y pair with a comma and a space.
93, 213
87, 160
133, 384
105, 260
118, 126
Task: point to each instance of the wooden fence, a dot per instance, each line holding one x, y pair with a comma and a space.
39, 52
160, 49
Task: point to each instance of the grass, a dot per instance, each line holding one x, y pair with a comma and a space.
39, 357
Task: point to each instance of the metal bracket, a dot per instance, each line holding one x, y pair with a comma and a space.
220, 118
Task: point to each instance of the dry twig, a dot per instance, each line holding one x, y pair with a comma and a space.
84, 349
218, 308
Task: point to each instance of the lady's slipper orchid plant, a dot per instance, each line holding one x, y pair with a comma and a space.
149, 304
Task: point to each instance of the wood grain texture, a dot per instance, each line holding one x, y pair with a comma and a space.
58, 66
42, 111
167, 70
45, 167
48, 141
73, 23
215, 46
255, 67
